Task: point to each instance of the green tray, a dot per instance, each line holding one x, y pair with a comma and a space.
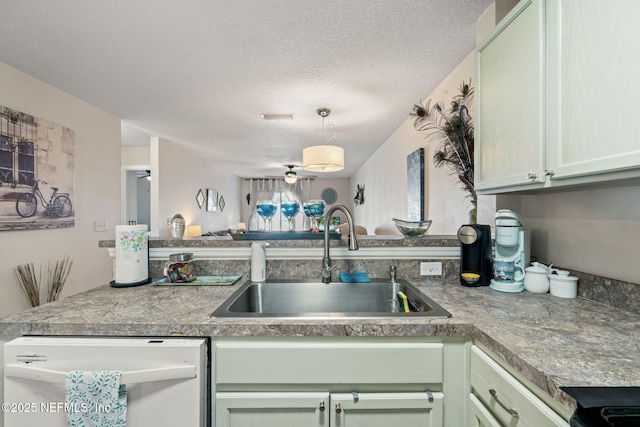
202, 281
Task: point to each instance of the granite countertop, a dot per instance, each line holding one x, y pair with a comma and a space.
551, 341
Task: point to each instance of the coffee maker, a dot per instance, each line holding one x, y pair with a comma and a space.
513, 246
475, 255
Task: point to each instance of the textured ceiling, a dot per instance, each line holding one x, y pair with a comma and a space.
200, 72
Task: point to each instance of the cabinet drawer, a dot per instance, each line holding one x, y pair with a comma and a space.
328, 363
479, 415
509, 394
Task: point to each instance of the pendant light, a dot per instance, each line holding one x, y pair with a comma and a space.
323, 158
290, 176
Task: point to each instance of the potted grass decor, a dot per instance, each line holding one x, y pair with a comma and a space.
452, 130
29, 282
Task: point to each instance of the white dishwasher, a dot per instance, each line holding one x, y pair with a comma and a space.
166, 379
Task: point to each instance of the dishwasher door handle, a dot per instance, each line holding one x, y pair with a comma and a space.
128, 377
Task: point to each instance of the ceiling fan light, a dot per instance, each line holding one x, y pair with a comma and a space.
323, 158
290, 177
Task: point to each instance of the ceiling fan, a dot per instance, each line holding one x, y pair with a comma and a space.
290, 176
144, 174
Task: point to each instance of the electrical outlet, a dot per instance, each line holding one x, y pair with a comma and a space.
431, 269
169, 221
102, 225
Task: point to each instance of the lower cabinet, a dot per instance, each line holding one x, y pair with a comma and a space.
247, 409
339, 382
498, 398
369, 382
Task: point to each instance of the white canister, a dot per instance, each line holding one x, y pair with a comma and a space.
536, 280
563, 286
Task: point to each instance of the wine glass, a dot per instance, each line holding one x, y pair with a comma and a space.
290, 209
316, 210
306, 207
266, 209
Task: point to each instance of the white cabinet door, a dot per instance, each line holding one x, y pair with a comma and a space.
319, 409
510, 126
387, 409
272, 409
479, 415
593, 68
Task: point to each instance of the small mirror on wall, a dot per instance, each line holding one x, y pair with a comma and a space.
212, 200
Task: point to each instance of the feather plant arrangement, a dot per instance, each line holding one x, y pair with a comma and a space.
452, 130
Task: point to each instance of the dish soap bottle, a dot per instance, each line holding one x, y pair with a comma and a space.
259, 261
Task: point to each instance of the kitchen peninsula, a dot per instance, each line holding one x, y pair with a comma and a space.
550, 342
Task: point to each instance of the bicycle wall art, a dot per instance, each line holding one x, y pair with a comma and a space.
36, 172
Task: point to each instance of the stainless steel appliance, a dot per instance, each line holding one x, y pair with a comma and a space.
605, 406
166, 379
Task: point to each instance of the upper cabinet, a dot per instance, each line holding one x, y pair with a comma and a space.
557, 96
510, 130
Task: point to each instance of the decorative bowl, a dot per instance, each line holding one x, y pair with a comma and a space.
412, 228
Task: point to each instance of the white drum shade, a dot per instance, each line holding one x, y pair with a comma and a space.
323, 158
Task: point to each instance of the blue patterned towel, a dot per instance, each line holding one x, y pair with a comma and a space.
95, 399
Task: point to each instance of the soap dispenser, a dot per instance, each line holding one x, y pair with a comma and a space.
259, 261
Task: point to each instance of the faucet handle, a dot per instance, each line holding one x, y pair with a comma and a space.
326, 270
392, 273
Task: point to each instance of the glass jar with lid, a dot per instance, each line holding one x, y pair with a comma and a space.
180, 268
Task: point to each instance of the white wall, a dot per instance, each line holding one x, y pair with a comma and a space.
178, 173
97, 191
385, 174
590, 230
135, 156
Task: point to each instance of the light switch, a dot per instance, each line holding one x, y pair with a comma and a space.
102, 225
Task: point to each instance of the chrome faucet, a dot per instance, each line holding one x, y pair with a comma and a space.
353, 242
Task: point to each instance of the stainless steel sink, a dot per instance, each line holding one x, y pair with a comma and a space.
312, 299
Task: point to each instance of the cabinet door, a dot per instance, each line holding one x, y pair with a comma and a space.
593, 69
386, 409
510, 125
479, 415
271, 409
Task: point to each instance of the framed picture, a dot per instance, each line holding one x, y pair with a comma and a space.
200, 198
212, 200
36, 172
415, 185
